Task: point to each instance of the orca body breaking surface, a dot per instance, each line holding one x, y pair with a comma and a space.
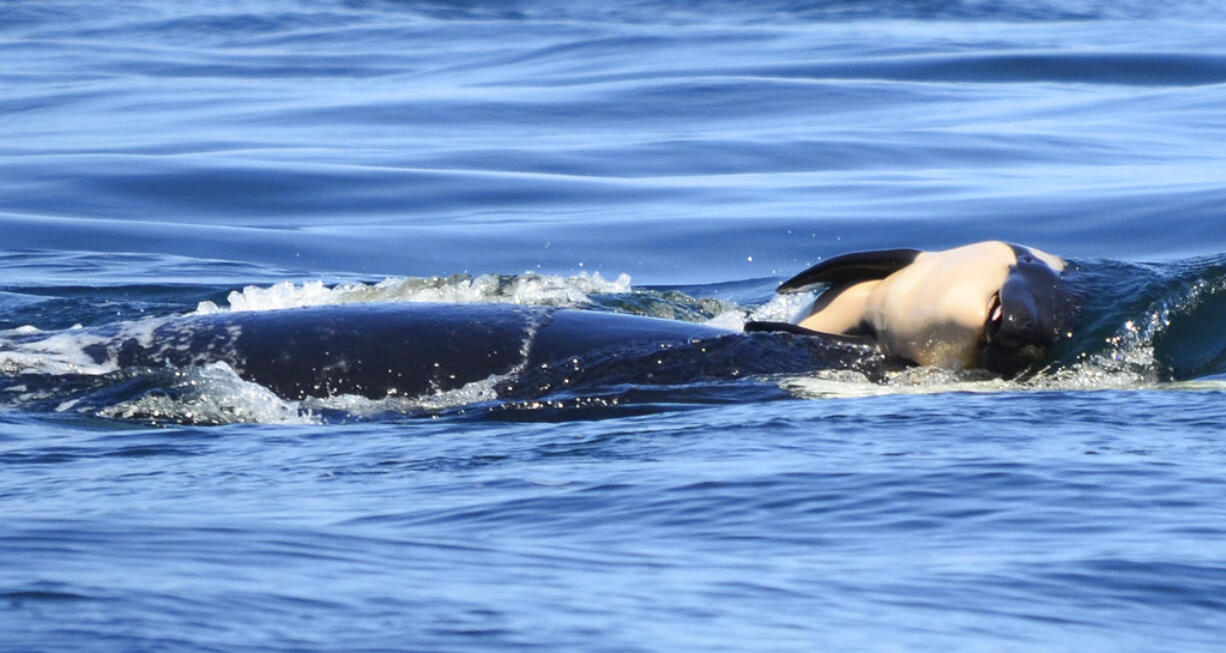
415, 349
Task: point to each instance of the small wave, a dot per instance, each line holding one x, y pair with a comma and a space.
525, 289
1144, 324
212, 394
585, 290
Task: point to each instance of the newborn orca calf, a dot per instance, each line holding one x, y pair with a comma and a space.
989, 305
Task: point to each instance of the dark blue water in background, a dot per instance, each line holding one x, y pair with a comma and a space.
669, 159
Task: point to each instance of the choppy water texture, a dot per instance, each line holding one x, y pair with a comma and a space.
666, 159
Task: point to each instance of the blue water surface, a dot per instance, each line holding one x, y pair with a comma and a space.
674, 159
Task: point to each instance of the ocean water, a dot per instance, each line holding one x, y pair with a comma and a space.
669, 159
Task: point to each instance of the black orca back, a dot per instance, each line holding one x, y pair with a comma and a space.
415, 349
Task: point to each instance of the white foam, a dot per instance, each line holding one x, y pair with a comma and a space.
57, 354
844, 384
64, 352
528, 288
1131, 367
471, 393
780, 308
212, 394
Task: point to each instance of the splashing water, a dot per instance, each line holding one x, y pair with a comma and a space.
526, 289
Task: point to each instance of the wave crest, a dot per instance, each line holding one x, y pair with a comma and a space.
526, 289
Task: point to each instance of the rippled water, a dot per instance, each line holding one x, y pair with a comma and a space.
672, 160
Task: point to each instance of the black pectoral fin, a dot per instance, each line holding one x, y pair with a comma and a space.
853, 267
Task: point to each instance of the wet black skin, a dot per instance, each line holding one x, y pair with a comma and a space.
414, 349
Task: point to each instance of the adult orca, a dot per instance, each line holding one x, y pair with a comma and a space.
990, 305
413, 349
